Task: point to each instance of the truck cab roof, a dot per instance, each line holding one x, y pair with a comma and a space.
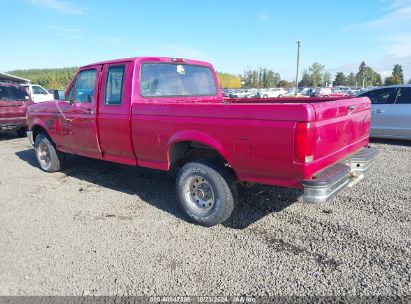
152, 59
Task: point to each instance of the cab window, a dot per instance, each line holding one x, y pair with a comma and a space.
82, 89
114, 85
85, 86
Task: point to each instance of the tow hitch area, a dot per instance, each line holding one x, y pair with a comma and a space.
328, 182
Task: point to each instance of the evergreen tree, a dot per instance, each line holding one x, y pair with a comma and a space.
362, 74
392, 80
397, 76
397, 71
340, 79
305, 80
326, 79
366, 76
316, 74
351, 80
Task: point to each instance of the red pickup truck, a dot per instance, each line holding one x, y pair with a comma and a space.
14, 100
169, 113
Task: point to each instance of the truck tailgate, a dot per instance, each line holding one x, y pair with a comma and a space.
12, 108
341, 128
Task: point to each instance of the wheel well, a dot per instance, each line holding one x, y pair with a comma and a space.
186, 151
37, 130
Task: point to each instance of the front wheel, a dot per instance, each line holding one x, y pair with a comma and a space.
46, 154
206, 192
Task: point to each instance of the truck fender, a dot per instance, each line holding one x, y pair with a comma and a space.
40, 123
199, 137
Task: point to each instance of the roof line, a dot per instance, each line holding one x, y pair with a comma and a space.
9, 77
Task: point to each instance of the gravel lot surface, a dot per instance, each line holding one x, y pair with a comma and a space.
100, 228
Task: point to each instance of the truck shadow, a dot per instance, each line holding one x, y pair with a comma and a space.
8, 136
394, 142
157, 188
259, 201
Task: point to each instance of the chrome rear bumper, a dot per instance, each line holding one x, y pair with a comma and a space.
328, 182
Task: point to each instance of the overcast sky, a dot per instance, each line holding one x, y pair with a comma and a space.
230, 34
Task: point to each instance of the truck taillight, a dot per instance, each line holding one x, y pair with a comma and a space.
304, 142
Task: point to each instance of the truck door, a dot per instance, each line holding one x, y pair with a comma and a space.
114, 113
78, 119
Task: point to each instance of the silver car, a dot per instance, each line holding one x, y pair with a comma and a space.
390, 111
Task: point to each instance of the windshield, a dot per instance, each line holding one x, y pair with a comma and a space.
13, 93
165, 79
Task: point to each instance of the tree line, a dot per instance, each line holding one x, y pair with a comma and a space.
366, 76
58, 78
314, 76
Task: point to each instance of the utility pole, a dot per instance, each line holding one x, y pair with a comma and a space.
298, 64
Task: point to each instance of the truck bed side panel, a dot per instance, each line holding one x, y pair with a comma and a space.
257, 141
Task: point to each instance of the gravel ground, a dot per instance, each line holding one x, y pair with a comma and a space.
100, 228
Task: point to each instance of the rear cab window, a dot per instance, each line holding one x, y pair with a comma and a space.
11, 93
172, 80
113, 94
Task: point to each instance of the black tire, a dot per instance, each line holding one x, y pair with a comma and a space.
47, 156
201, 180
22, 132
265, 96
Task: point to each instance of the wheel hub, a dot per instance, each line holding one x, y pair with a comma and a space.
43, 154
199, 194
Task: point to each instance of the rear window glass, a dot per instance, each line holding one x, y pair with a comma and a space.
404, 96
166, 79
13, 93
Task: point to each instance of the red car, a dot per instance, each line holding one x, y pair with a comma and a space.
13, 105
169, 114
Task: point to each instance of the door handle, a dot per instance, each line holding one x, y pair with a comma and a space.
379, 111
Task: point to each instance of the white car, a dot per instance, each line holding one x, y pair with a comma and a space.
273, 92
38, 93
242, 93
323, 92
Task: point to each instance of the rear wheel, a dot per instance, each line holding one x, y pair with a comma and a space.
206, 192
46, 154
265, 96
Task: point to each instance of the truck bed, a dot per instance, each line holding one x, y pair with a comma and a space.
256, 136
284, 99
